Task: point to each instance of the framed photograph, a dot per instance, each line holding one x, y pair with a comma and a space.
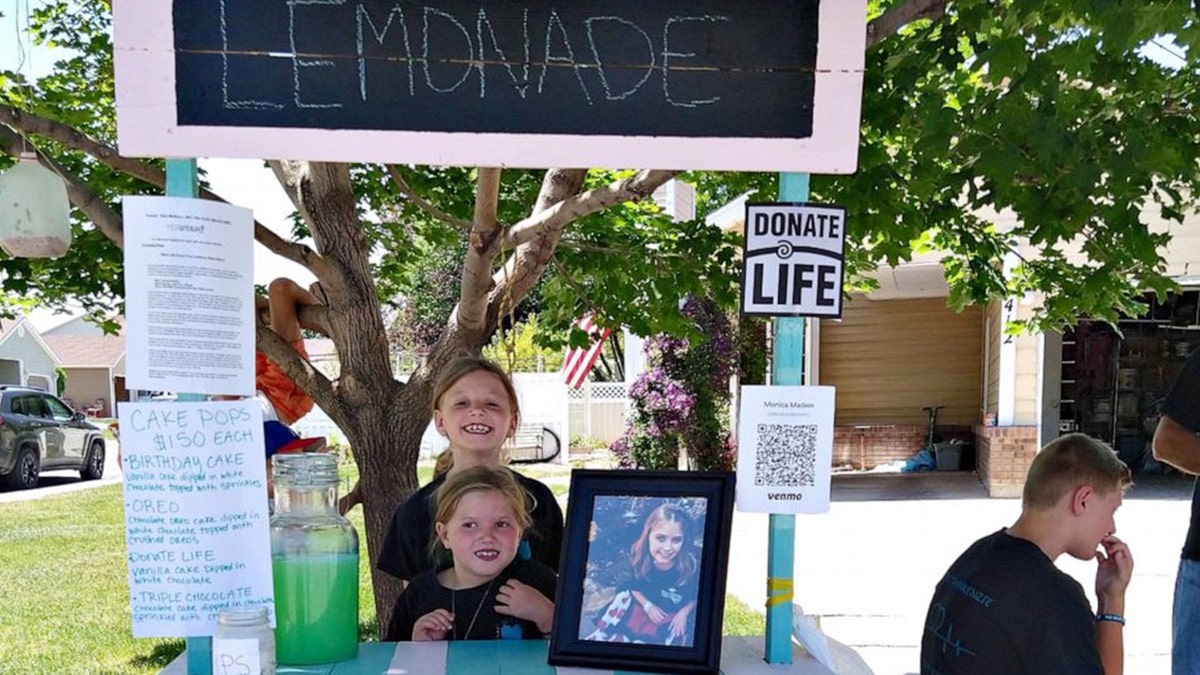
641, 585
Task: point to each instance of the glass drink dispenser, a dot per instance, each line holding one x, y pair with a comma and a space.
314, 558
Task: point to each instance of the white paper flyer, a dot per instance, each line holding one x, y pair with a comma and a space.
189, 295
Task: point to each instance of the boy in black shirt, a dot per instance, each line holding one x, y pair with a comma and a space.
1004, 608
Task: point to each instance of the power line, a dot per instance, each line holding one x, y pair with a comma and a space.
1171, 49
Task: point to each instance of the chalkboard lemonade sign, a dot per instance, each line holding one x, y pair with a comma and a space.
630, 82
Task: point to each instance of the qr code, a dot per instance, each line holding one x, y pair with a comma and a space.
787, 455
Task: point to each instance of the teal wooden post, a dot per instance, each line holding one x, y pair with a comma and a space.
182, 178
787, 367
182, 181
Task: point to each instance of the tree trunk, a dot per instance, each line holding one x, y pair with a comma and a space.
387, 442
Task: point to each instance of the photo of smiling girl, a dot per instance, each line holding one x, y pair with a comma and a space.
656, 601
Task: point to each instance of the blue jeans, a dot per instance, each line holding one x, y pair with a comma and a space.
1185, 623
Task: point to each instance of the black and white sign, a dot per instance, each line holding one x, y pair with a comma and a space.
793, 263
189, 295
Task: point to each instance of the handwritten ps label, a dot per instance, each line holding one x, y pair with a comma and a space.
236, 657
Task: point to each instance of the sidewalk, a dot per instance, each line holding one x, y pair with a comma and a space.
869, 566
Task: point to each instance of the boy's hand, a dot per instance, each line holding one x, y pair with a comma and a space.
433, 626
525, 602
1114, 569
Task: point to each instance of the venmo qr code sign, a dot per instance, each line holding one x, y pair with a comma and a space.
785, 449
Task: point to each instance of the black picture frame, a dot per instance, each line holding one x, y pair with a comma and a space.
680, 524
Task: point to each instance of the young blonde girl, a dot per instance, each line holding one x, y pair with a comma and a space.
487, 593
656, 605
475, 407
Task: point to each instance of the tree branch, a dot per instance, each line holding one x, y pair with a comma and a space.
28, 123
611, 250
412, 196
524, 267
557, 185
482, 248
898, 16
487, 198
311, 187
556, 217
324, 195
542, 232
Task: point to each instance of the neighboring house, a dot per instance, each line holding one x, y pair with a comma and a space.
901, 348
25, 358
94, 364
1091, 379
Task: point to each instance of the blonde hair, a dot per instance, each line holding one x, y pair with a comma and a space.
448, 495
1069, 462
455, 371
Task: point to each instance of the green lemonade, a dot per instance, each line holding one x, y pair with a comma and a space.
316, 608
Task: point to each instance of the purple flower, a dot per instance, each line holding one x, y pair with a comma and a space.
683, 398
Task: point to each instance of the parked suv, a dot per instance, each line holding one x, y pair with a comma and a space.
38, 431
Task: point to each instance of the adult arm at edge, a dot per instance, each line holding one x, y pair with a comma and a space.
1177, 445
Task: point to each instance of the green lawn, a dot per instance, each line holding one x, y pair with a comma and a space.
65, 605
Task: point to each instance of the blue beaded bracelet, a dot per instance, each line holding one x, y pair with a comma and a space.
1115, 618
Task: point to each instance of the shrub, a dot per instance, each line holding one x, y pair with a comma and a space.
682, 399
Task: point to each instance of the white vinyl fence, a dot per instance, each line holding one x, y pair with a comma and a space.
598, 410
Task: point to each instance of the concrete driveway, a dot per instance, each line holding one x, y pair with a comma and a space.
60, 482
869, 566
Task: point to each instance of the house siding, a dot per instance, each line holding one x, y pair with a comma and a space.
888, 359
1025, 392
24, 348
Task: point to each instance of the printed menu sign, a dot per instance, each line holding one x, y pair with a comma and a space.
189, 295
196, 522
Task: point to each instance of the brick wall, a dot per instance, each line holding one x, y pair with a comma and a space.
868, 446
1003, 456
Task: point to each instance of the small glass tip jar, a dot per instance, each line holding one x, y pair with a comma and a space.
243, 642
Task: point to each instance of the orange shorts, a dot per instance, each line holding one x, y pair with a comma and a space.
290, 401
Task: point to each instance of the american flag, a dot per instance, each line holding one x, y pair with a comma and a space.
579, 362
